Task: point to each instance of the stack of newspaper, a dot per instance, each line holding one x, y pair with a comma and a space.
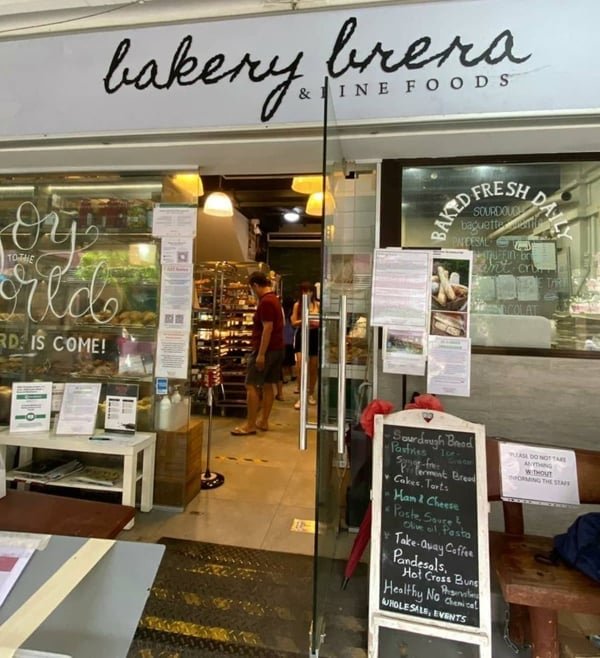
47, 470
99, 475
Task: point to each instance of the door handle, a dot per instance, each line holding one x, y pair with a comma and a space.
339, 428
304, 426
341, 415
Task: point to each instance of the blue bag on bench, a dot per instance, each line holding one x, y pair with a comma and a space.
579, 547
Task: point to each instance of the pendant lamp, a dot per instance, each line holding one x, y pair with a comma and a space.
218, 204
187, 184
307, 184
314, 205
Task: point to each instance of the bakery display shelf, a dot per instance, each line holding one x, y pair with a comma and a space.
130, 233
70, 482
110, 329
586, 316
11, 376
231, 403
112, 280
116, 377
353, 371
224, 308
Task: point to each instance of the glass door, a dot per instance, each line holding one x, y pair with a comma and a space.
336, 391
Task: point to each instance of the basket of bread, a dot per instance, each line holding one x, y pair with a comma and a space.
447, 293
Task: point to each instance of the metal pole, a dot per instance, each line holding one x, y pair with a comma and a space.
209, 479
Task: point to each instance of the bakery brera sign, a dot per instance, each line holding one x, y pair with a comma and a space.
398, 62
190, 66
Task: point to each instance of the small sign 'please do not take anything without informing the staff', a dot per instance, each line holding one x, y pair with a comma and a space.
429, 561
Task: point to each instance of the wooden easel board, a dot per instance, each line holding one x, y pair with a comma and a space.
429, 567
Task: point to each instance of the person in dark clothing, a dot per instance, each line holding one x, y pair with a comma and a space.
313, 339
264, 362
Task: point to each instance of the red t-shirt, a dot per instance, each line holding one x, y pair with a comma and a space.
268, 310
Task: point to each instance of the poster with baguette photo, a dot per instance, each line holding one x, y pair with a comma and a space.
450, 288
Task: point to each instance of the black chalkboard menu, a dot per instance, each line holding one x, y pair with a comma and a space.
429, 563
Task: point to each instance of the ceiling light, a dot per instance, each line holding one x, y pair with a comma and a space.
218, 204
314, 205
307, 184
291, 216
191, 182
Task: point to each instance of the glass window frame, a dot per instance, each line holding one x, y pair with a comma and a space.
392, 221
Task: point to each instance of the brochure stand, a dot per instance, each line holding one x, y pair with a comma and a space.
211, 377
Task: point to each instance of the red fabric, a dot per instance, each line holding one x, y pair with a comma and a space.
367, 418
268, 310
425, 401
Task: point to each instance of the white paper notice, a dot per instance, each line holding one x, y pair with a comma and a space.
31, 406
401, 285
174, 221
13, 561
404, 351
58, 388
538, 474
172, 354
176, 286
79, 409
543, 255
506, 286
527, 289
121, 407
449, 368
484, 288
174, 251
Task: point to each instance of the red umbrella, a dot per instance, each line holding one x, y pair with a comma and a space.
367, 421
358, 548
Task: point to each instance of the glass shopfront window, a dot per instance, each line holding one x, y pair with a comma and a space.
79, 280
534, 229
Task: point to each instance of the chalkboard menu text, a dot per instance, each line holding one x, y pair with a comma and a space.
429, 533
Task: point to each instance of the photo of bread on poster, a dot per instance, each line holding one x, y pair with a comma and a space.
453, 325
450, 293
450, 281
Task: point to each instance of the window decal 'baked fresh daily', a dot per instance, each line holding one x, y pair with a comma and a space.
544, 206
186, 68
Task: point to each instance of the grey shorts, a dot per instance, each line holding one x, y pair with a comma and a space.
271, 373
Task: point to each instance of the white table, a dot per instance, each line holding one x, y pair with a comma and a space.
127, 447
99, 617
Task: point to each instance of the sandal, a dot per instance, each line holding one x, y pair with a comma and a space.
240, 431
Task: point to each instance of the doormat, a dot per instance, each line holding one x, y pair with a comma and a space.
214, 600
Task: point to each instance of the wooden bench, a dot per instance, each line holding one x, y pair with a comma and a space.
534, 591
28, 511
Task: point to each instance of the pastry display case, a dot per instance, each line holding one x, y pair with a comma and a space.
224, 308
79, 281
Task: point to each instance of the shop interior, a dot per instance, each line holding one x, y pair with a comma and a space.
265, 498
266, 490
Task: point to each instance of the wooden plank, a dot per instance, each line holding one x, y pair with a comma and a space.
27, 511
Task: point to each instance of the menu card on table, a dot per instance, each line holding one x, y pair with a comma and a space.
31, 406
79, 408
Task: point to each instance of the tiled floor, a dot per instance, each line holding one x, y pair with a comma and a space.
268, 485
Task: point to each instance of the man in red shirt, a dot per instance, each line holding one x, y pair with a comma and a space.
264, 363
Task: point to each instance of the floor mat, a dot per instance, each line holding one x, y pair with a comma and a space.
214, 600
